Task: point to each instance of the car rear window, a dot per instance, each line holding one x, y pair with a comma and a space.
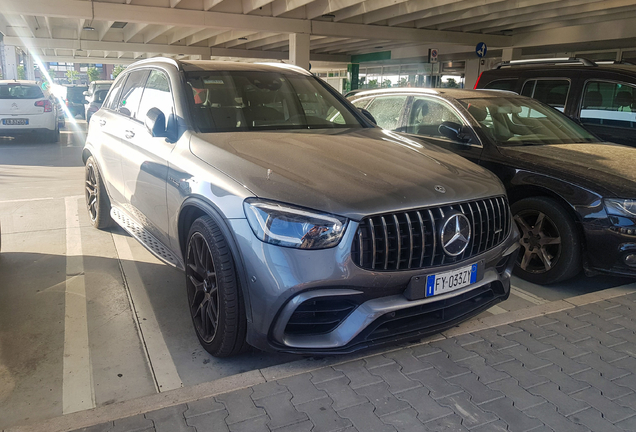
20, 91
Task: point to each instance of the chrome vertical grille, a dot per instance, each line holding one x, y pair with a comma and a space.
410, 240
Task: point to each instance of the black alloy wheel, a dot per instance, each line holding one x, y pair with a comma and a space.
203, 292
214, 292
540, 241
550, 246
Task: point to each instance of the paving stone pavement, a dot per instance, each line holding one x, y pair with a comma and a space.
571, 371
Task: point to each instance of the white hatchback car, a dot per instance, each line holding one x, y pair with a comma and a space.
26, 109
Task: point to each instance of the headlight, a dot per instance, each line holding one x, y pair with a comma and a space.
290, 226
620, 207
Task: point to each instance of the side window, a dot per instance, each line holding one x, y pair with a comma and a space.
550, 92
428, 114
528, 88
131, 93
387, 110
156, 95
503, 84
361, 103
113, 97
609, 104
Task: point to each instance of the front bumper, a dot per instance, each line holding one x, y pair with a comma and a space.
363, 308
607, 248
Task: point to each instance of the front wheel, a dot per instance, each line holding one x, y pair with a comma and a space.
214, 296
97, 201
550, 245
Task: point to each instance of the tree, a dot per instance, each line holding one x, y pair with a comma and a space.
72, 76
93, 74
386, 83
373, 83
403, 82
451, 83
21, 72
117, 70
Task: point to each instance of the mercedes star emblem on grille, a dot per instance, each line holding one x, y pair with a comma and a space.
455, 234
440, 189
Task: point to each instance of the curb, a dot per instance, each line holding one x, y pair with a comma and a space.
157, 401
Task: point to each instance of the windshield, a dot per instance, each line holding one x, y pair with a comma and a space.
247, 101
510, 121
20, 91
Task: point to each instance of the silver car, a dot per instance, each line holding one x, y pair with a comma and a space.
300, 225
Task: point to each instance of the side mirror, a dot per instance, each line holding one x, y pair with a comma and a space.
368, 115
156, 123
453, 131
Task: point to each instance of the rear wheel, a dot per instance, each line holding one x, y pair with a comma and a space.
97, 201
550, 245
52, 136
214, 296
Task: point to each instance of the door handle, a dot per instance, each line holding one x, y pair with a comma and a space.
130, 134
102, 122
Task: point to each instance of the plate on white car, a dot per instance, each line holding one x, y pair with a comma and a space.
452, 280
15, 122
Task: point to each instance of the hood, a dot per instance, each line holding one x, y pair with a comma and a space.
348, 172
597, 166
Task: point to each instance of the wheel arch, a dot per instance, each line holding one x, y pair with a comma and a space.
519, 192
192, 209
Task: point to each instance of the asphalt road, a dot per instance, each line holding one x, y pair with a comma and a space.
89, 317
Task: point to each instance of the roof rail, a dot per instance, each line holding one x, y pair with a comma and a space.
606, 62
158, 59
557, 60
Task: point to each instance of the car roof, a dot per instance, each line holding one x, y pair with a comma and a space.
212, 65
623, 68
453, 93
19, 82
102, 81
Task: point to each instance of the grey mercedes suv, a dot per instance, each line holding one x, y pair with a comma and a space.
300, 225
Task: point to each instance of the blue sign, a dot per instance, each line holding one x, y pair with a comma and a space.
481, 50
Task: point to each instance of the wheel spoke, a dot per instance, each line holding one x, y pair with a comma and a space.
543, 256
550, 241
522, 224
538, 225
212, 319
527, 256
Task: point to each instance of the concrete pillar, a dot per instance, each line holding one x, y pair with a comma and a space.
511, 54
10, 63
472, 71
353, 73
30, 68
299, 49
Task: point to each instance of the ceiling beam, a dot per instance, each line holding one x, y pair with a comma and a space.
610, 30
363, 8
102, 28
91, 60
323, 7
280, 7
49, 27
31, 25
182, 33
174, 3
251, 5
193, 18
253, 38
203, 35
228, 36
209, 4
73, 44
133, 29
154, 33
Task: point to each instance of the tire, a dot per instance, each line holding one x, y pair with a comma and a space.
97, 202
550, 244
214, 295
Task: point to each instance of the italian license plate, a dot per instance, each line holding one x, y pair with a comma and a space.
451, 280
15, 122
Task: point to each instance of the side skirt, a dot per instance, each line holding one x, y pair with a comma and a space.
144, 237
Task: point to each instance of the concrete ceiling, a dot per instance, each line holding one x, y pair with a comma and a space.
120, 31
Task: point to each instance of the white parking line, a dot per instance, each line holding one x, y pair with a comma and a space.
160, 361
78, 392
527, 296
73, 197
496, 310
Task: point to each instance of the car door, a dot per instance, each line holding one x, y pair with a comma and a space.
104, 133
426, 114
145, 161
608, 110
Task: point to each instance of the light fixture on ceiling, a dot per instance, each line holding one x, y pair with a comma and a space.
242, 38
90, 27
378, 47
